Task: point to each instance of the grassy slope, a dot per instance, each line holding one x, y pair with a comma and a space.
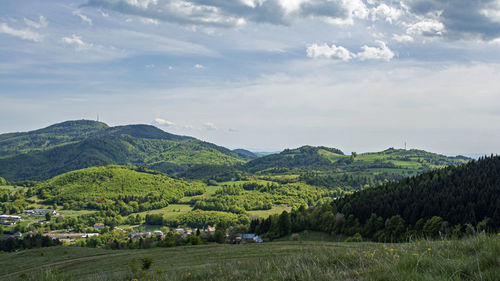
469, 259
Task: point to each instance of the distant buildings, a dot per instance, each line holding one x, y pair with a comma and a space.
8, 217
133, 235
40, 212
9, 220
99, 225
70, 236
250, 236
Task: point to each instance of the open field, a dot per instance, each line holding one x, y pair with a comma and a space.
476, 258
171, 211
267, 213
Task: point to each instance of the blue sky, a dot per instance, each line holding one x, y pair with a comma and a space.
359, 75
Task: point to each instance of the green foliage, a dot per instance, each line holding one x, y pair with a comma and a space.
146, 263
432, 226
459, 195
355, 238
124, 188
141, 145
202, 219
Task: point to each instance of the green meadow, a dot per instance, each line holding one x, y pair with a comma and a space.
473, 258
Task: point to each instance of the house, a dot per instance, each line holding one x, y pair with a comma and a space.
211, 230
40, 212
158, 232
179, 230
70, 236
16, 235
99, 225
251, 236
133, 235
43, 212
9, 217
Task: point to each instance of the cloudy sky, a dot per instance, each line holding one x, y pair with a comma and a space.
359, 75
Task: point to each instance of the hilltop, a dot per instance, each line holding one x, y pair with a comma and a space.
330, 167
95, 187
72, 145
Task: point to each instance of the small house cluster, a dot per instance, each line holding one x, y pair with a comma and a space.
70, 236
9, 220
248, 237
40, 212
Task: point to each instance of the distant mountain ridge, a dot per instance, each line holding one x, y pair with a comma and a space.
72, 145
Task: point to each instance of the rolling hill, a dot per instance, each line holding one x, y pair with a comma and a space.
72, 145
108, 184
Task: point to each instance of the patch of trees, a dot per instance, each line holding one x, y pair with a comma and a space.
448, 202
27, 242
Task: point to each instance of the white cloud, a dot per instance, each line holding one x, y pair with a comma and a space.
402, 38
170, 67
386, 13
209, 126
149, 21
104, 14
83, 17
42, 22
428, 27
331, 52
162, 122
199, 66
374, 53
77, 42
25, 34
150, 65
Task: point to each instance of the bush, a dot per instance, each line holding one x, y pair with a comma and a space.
355, 238
146, 263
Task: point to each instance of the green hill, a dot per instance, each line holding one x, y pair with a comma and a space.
93, 186
246, 153
446, 202
330, 167
466, 194
46, 138
310, 158
80, 144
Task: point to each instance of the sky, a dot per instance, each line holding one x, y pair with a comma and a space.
358, 75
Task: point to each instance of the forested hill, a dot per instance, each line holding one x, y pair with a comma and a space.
132, 188
72, 145
460, 195
444, 202
320, 158
465, 194
57, 134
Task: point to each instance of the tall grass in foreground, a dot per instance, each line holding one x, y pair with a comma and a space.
474, 258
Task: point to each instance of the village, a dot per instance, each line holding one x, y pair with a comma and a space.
40, 217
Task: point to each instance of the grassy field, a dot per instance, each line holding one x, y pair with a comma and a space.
267, 213
171, 211
476, 258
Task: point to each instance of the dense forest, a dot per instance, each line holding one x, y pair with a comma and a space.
447, 202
